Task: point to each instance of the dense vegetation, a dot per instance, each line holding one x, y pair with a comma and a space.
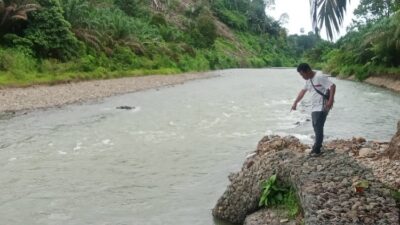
371, 47
51, 41
46, 41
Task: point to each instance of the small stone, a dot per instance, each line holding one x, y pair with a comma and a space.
284, 221
365, 152
356, 206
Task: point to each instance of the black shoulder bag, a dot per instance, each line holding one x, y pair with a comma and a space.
325, 96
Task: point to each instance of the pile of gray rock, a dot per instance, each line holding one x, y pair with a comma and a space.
325, 187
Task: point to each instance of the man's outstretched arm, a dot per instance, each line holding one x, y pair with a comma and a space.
298, 99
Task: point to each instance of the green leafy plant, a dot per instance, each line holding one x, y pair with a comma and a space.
281, 196
50, 33
272, 193
396, 195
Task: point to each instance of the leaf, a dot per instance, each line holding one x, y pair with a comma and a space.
262, 200
279, 197
362, 183
360, 186
273, 178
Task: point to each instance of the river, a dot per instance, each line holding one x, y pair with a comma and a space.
165, 162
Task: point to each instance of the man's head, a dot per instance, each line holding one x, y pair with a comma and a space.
305, 71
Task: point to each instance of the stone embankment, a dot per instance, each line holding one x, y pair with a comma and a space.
325, 185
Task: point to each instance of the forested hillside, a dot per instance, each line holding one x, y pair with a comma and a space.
50, 41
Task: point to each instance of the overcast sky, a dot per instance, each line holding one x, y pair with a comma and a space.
299, 15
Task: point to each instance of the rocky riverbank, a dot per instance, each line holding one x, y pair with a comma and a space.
325, 185
385, 82
42, 96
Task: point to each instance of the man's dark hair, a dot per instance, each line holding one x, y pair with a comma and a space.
303, 67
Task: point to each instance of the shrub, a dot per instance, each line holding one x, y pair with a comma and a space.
23, 45
87, 63
50, 33
197, 63
204, 32
135, 8
123, 58
16, 62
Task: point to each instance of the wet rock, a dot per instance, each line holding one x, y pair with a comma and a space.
274, 143
268, 217
243, 194
393, 152
365, 152
126, 107
358, 140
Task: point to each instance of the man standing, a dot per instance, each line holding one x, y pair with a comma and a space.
323, 94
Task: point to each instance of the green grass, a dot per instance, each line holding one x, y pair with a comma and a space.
291, 204
9, 80
396, 195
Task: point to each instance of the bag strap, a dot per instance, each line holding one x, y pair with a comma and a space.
319, 92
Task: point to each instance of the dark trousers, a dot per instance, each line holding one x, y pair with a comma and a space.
318, 122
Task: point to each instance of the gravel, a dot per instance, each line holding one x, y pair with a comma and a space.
43, 96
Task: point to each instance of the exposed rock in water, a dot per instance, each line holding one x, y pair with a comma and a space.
126, 107
393, 152
268, 216
324, 184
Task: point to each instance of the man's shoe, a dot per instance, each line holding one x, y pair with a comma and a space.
315, 154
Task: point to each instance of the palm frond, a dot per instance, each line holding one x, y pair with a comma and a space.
21, 16
2, 7
14, 12
89, 37
328, 13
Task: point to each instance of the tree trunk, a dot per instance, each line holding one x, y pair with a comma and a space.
393, 151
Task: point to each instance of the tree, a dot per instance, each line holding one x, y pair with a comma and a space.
383, 40
51, 34
284, 18
13, 14
328, 13
374, 10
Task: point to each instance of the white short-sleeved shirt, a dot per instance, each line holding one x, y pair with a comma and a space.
322, 83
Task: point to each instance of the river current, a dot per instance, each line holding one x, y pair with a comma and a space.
166, 161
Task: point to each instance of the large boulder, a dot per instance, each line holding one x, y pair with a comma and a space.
393, 151
325, 187
242, 197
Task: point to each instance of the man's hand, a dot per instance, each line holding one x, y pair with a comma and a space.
298, 99
294, 106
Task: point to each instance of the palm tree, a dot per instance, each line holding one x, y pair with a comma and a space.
328, 13
12, 12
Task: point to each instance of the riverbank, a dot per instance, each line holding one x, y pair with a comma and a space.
385, 82
381, 81
43, 96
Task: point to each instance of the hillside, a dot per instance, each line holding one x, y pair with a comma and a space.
52, 41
